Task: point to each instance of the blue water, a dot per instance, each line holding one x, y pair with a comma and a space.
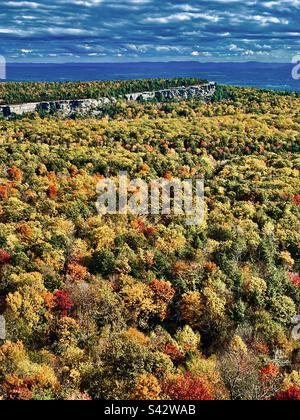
261, 75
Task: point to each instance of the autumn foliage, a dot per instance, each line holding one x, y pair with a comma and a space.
4, 189
187, 387
295, 279
52, 191
5, 257
270, 371
293, 394
174, 352
163, 294
62, 303
296, 199
18, 389
119, 307
147, 388
77, 272
15, 174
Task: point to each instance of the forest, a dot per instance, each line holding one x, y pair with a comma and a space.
121, 307
21, 92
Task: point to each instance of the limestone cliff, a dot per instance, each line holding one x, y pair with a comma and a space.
96, 106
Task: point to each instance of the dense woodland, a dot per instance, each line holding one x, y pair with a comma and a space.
126, 307
16, 93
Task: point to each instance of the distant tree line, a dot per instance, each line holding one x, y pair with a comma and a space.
14, 93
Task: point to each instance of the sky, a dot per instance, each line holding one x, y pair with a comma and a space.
149, 30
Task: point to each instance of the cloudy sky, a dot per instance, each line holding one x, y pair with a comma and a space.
149, 30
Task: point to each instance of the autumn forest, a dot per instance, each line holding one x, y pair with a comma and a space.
122, 307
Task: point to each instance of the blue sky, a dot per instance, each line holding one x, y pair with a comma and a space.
149, 30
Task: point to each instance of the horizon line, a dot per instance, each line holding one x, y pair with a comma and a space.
150, 62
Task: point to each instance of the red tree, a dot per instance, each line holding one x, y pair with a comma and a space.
296, 199
269, 371
52, 191
62, 303
295, 279
187, 387
293, 393
174, 353
5, 257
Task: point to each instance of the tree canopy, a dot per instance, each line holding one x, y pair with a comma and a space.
127, 307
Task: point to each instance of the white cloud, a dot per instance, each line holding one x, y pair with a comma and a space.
181, 17
234, 47
266, 20
28, 17
23, 4
87, 3
198, 54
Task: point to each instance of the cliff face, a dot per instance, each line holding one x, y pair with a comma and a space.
65, 108
95, 106
203, 91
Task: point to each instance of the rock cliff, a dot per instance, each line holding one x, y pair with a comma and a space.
202, 91
96, 106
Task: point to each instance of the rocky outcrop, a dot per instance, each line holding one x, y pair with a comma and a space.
96, 106
64, 108
202, 91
